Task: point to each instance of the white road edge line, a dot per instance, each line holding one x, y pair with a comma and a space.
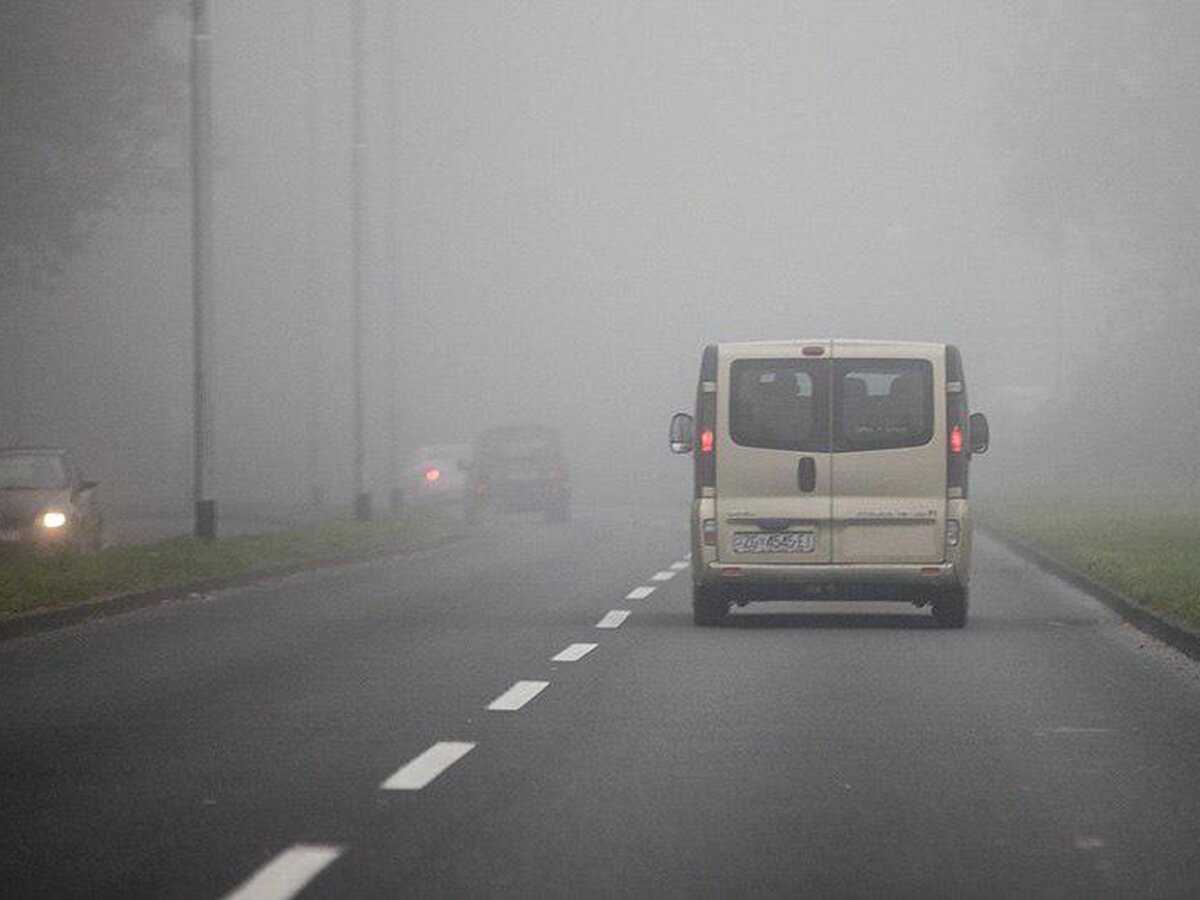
419, 772
640, 593
681, 565
574, 653
662, 576
287, 874
613, 618
518, 695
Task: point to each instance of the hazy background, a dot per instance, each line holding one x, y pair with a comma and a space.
571, 199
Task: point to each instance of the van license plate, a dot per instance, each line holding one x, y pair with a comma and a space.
773, 542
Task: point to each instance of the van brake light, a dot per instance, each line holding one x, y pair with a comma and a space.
706, 441
956, 439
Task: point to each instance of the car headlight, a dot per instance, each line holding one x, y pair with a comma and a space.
54, 518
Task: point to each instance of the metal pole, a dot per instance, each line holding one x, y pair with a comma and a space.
312, 352
362, 499
396, 500
202, 268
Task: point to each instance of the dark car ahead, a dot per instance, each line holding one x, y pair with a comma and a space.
44, 503
519, 468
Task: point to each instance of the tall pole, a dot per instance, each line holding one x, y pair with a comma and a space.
362, 499
393, 257
312, 348
202, 269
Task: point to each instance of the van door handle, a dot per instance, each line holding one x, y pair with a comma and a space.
806, 474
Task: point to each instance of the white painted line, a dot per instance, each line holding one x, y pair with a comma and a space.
662, 576
574, 653
518, 695
1070, 729
613, 618
639, 593
429, 765
287, 874
681, 565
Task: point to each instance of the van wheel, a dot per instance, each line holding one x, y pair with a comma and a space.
950, 609
709, 607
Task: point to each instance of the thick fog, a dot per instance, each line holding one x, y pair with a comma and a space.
567, 201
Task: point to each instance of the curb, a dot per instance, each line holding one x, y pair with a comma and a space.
1152, 623
52, 618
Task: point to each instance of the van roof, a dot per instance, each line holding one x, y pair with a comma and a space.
920, 347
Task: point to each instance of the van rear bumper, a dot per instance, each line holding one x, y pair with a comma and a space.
832, 582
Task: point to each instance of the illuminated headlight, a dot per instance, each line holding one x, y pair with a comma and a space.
54, 519
953, 532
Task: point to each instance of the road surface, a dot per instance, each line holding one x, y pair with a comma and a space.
403, 728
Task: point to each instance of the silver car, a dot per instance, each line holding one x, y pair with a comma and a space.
45, 503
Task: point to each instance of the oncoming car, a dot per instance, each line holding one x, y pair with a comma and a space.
831, 470
44, 503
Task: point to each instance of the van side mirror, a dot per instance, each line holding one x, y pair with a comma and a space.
979, 433
683, 433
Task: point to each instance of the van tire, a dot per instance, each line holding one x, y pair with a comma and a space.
709, 606
950, 609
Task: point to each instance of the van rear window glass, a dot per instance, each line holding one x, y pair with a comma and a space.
881, 404
778, 404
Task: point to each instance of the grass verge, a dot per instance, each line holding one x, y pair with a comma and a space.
34, 582
1146, 548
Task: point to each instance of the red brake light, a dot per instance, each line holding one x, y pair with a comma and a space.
432, 475
956, 440
813, 350
706, 441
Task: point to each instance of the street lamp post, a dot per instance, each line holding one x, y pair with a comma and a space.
202, 268
362, 499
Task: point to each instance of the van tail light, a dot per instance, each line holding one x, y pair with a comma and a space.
708, 529
953, 532
958, 456
432, 475
706, 459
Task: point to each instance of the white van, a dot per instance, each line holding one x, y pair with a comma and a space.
831, 470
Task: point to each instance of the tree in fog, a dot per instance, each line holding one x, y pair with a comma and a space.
1103, 124
83, 86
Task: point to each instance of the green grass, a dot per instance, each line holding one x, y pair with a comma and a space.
1146, 548
31, 582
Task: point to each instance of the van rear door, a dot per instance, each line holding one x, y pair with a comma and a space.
888, 481
773, 459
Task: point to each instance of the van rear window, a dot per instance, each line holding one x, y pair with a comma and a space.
881, 404
779, 404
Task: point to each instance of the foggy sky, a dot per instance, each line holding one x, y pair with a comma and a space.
584, 194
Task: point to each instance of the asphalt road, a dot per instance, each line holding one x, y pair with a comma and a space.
243, 740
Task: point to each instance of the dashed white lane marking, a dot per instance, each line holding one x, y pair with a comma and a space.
640, 593
574, 653
681, 565
1071, 729
287, 874
662, 576
518, 695
613, 618
429, 765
